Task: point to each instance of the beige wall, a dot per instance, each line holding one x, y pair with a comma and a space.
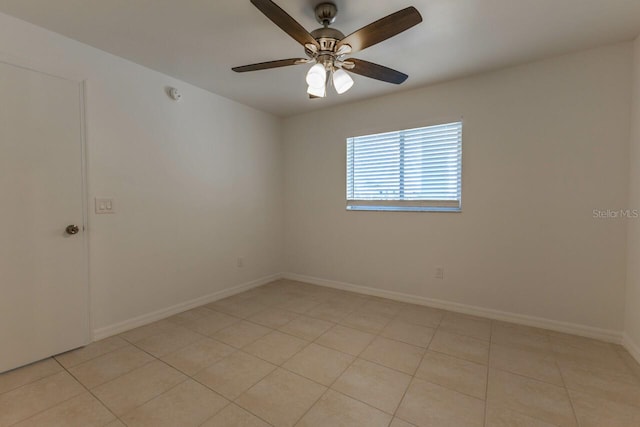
196, 183
632, 321
544, 144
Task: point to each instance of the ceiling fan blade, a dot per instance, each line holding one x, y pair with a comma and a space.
270, 64
378, 72
283, 20
382, 29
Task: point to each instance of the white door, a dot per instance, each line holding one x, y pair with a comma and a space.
43, 274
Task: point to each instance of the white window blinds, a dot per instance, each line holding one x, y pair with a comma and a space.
414, 169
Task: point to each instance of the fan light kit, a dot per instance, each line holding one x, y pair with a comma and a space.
328, 49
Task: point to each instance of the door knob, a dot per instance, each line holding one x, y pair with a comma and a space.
72, 229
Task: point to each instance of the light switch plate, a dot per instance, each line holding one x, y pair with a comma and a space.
105, 206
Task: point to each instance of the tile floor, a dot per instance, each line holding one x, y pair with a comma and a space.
293, 354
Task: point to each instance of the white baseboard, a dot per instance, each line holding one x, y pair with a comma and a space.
554, 325
135, 322
538, 322
632, 347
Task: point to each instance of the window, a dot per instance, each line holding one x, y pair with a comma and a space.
408, 170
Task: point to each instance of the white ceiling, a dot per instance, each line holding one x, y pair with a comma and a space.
199, 41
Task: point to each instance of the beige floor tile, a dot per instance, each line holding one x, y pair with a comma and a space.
424, 316
586, 351
302, 300
146, 331
187, 404
617, 347
534, 398
242, 309
457, 374
592, 361
330, 311
397, 422
276, 299
617, 371
366, 321
578, 342
531, 364
467, 348
298, 305
234, 416
26, 401
28, 374
381, 307
409, 333
631, 363
521, 337
346, 340
198, 355
168, 341
621, 374
601, 384
323, 296
376, 385
131, 390
337, 410
350, 299
306, 327
210, 324
190, 315
596, 412
276, 347
273, 317
109, 366
502, 417
427, 405
394, 354
91, 351
281, 398
234, 374
525, 389
240, 334
83, 410
499, 326
470, 326
320, 364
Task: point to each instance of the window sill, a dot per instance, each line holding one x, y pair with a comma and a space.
405, 208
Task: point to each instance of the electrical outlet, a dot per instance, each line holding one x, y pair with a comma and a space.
240, 262
439, 273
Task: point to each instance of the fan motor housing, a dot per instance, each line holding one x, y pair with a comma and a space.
327, 38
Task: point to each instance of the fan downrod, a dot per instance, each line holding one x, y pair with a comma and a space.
326, 13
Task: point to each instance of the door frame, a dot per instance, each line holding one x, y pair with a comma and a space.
30, 65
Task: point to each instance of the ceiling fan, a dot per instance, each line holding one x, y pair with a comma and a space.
328, 49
